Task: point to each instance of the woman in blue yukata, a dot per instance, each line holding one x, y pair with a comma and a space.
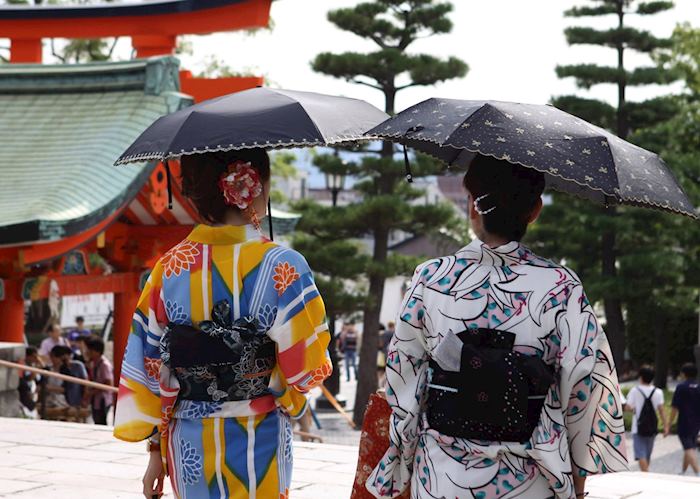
500, 379
229, 334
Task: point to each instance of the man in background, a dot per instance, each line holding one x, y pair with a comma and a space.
55, 339
79, 331
686, 405
644, 401
348, 343
28, 384
100, 371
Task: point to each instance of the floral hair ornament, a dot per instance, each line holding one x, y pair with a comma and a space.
478, 209
240, 186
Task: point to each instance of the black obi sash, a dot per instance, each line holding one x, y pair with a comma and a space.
497, 395
220, 361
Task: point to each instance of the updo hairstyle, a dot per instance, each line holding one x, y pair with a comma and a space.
513, 192
200, 179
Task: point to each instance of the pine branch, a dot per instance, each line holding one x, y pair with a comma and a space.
55, 54
640, 40
595, 111
648, 8
651, 75
360, 82
112, 47
591, 11
588, 75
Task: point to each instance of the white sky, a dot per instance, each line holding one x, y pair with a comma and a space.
511, 46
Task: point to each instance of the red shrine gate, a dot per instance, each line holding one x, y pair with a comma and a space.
63, 203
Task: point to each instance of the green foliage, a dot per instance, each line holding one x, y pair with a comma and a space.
684, 56
593, 110
571, 230
647, 8
393, 26
623, 37
601, 10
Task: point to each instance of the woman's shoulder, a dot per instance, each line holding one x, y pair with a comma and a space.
279, 254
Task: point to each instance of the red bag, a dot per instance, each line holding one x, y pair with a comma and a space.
373, 444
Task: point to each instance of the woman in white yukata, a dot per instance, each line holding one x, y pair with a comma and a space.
500, 379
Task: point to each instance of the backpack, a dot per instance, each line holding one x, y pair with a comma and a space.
647, 423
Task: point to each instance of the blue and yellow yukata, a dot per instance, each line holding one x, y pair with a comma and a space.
225, 448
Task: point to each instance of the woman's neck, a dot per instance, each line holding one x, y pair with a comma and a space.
491, 240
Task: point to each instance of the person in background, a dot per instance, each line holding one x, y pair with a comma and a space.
686, 405
644, 401
55, 389
100, 371
80, 348
28, 381
55, 338
75, 393
385, 337
348, 344
74, 337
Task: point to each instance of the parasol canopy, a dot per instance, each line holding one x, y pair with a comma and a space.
257, 118
575, 156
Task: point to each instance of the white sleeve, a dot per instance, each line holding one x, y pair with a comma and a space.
43, 348
632, 398
658, 398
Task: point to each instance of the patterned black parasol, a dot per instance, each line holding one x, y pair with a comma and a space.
576, 157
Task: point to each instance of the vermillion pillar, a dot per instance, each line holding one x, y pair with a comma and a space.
124, 307
25, 50
152, 45
12, 313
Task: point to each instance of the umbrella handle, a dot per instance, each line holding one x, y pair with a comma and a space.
269, 217
168, 180
409, 175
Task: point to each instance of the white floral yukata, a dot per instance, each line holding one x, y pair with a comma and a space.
508, 288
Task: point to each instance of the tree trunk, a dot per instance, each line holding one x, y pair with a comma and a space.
367, 380
367, 375
661, 352
615, 323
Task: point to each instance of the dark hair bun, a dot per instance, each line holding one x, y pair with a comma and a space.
513, 191
200, 179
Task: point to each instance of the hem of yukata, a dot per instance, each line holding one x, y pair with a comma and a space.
284, 452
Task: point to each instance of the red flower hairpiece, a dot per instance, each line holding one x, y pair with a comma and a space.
240, 186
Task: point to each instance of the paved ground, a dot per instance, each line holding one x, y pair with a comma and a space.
50, 460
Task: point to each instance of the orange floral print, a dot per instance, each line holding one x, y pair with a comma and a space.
152, 367
179, 258
315, 377
285, 275
166, 415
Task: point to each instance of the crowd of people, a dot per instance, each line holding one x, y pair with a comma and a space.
79, 354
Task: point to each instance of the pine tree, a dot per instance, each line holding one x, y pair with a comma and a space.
393, 26
582, 226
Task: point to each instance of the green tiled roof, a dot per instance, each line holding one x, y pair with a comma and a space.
61, 129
